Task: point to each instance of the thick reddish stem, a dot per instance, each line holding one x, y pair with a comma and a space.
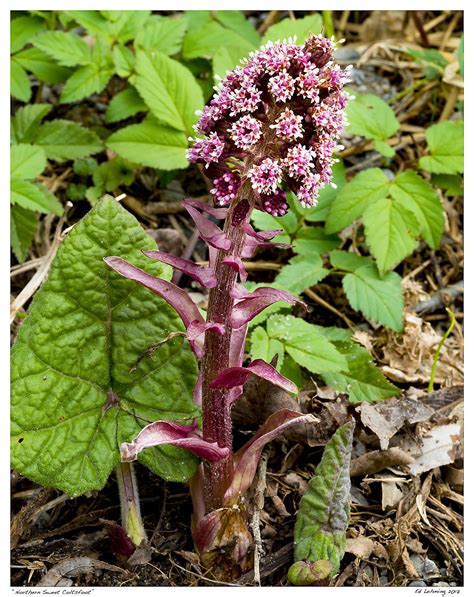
217, 424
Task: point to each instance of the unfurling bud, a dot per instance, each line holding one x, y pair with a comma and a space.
274, 121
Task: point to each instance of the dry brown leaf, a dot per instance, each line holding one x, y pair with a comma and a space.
387, 417
362, 547
437, 448
391, 492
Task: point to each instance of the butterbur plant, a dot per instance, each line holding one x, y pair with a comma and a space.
271, 128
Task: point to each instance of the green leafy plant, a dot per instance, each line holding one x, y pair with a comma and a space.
372, 118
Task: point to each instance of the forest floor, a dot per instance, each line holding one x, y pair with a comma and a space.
406, 525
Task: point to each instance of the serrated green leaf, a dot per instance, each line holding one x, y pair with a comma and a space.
226, 58
379, 298
288, 223
125, 104
26, 121
446, 145
113, 173
42, 66
151, 144
303, 271
205, 42
418, 196
264, 347
292, 370
84, 166
124, 60
22, 230
371, 117
67, 140
451, 183
236, 21
390, 229
67, 48
348, 261
363, 190
19, 82
361, 380
76, 192
162, 34
311, 240
327, 195
26, 161
305, 344
169, 90
33, 196
197, 18
125, 25
23, 30
384, 148
323, 516
92, 21
85, 81
74, 399
291, 27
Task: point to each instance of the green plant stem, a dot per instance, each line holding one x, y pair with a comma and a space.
328, 23
440, 346
130, 503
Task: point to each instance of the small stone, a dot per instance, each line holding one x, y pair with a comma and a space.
417, 583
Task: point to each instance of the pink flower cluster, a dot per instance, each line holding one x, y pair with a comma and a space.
274, 122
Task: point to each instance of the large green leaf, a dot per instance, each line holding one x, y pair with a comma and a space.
361, 380
323, 516
125, 104
418, 196
346, 261
379, 298
312, 240
33, 196
74, 396
23, 29
390, 230
236, 21
446, 145
264, 347
67, 48
301, 28
22, 230
151, 144
169, 90
327, 195
66, 140
26, 121
162, 34
205, 42
303, 271
305, 344
42, 66
26, 161
85, 81
371, 117
363, 190
19, 82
